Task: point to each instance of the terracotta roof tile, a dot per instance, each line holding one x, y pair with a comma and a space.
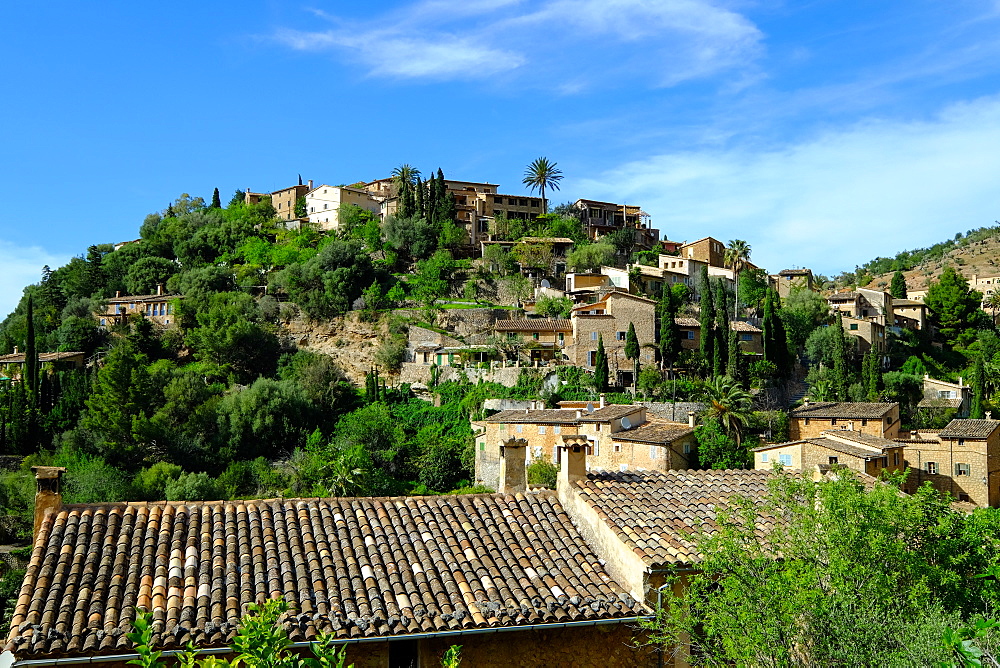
658, 514
534, 325
843, 409
362, 567
654, 432
533, 416
970, 428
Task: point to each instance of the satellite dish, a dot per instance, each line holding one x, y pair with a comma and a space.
590, 408
545, 283
626, 423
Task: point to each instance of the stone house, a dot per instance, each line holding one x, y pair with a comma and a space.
544, 338
609, 319
708, 250
787, 280
963, 459
864, 304
323, 204
856, 450
12, 364
811, 419
868, 333
602, 218
909, 314
940, 394
750, 336
397, 580
157, 307
670, 270
284, 200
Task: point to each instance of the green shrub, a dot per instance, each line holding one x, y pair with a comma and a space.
193, 487
543, 472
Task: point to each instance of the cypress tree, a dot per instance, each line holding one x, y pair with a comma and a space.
216, 202
670, 337
733, 357
601, 366
706, 320
445, 211
632, 352
775, 338
31, 355
721, 358
898, 287
977, 410
433, 196
871, 375
420, 205
839, 381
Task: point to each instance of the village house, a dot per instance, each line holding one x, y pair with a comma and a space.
398, 580
11, 365
787, 280
323, 204
602, 218
856, 450
609, 320
811, 419
284, 200
942, 395
549, 252
909, 314
543, 338
868, 333
750, 336
156, 307
708, 250
864, 304
963, 459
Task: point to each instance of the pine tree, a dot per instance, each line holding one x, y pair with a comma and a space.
601, 366
839, 380
216, 202
707, 321
977, 410
898, 286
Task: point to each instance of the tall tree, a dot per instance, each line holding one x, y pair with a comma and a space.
216, 201
444, 207
737, 257
840, 380
728, 403
720, 359
733, 356
953, 305
420, 199
898, 286
632, 352
31, 354
670, 335
403, 179
774, 336
542, 174
601, 372
977, 411
706, 319
871, 375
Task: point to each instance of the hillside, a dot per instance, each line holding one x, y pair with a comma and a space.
977, 252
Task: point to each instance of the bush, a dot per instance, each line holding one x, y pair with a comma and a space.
150, 484
543, 472
193, 487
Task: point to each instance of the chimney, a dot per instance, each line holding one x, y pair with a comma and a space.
513, 474
960, 381
574, 460
989, 415
805, 401
579, 414
310, 184
159, 289
118, 293
48, 498
603, 399
691, 422
15, 350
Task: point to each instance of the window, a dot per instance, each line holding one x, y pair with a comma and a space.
404, 654
690, 335
961, 441
746, 337
591, 358
557, 429
482, 447
498, 200
931, 468
535, 336
945, 394
520, 428
833, 421
833, 460
786, 460
503, 427
618, 447
854, 326
687, 450
561, 338
593, 336
895, 459
541, 429
619, 336
102, 322
961, 469
653, 454
763, 457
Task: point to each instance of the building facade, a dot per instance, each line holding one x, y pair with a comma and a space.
813, 418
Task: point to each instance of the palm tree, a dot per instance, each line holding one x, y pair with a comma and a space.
404, 174
728, 403
737, 257
542, 174
993, 303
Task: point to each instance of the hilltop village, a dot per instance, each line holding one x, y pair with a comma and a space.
420, 413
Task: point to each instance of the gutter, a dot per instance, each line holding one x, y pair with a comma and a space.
8, 660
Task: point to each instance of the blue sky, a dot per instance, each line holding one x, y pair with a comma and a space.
824, 133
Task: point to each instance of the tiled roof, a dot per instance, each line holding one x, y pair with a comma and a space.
843, 297
794, 272
861, 437
534, 325
608, 413
687, 322
128, 299
659, 514
740, 326
16, 358
654, 432
940, 402
361, 568
843, 409
907, 302
540, 415
846, 448
969, 428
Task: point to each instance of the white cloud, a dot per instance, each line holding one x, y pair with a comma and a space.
21, 266
649, 42
836, 200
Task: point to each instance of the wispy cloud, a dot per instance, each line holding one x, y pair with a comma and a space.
830, 202
21, 266
588, 42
